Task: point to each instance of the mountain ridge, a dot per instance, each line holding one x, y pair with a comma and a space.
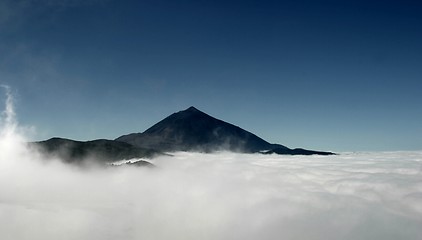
100, 151
194, 130
187, 130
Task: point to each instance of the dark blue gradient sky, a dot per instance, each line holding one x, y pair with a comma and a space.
329, 75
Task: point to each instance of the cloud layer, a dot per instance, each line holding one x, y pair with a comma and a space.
210, 196
219, 196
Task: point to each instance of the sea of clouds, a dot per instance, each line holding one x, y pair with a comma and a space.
209, 196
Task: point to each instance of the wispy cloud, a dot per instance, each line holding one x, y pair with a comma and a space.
14, 13
22, 59
9, 112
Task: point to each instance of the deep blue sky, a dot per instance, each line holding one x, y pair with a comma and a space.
329, 75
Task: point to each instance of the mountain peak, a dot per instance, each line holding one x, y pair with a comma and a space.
194, 130
192, 108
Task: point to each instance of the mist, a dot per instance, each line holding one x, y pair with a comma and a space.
209, 196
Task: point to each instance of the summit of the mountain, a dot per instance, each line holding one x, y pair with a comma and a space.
194, 130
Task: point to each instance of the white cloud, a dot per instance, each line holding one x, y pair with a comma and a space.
215, 196
221, 196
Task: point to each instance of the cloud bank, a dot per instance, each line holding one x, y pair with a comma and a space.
211, 196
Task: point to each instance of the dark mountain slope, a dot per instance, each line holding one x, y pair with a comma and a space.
100, 151
193, 130
296, 151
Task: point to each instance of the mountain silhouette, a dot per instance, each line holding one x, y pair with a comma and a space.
100, 151
194, 130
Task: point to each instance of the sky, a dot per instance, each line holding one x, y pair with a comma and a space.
325, 75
